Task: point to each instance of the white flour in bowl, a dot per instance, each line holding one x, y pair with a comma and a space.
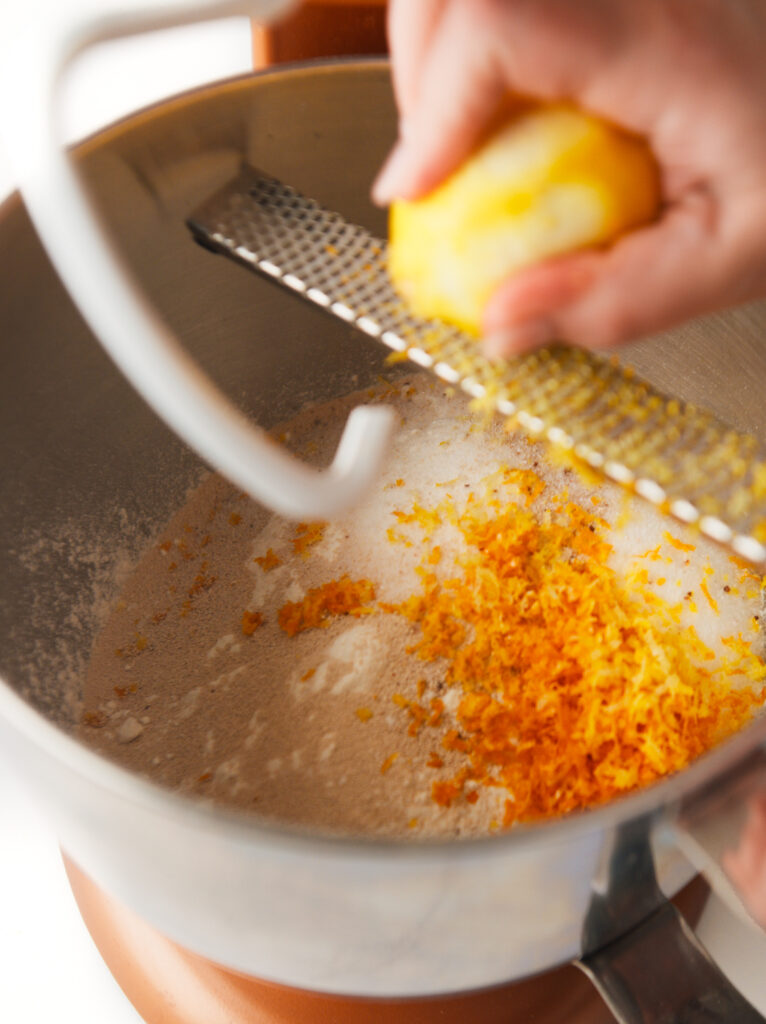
195, 683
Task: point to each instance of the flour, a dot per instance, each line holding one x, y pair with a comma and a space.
304, 729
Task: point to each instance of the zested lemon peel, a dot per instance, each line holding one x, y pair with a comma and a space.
550, 180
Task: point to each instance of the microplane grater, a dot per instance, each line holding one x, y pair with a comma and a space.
680, 458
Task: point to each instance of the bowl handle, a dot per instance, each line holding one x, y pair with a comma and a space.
659, 973
640, 954
722, 831
44, 44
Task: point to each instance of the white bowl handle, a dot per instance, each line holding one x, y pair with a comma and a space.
44, 43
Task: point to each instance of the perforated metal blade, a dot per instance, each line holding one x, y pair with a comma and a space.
680, 458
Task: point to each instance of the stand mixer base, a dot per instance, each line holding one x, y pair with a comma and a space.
170, 985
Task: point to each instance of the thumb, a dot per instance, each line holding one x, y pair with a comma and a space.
460, 89
649, 280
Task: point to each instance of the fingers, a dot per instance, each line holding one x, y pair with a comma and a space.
456, 60
411, 27
649, 280
457, 95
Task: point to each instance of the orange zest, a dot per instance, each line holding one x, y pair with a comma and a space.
574, 685
678, 544
268, 561
306, 536
338, 597
576, 688
250, 622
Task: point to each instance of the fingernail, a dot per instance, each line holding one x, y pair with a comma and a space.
390, 181
514, 341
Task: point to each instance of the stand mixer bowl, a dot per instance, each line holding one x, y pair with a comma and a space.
89, 476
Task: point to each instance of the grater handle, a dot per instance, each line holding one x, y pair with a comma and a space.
46, 39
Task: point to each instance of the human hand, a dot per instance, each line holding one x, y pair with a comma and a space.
688, 75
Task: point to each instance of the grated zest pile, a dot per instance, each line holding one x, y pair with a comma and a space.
573, 686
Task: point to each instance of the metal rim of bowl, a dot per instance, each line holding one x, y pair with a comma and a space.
34, 727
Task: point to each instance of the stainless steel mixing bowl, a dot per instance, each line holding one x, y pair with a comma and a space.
89, 475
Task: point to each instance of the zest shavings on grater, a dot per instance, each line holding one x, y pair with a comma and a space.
681, 458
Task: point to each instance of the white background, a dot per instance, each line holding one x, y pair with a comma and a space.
49, 969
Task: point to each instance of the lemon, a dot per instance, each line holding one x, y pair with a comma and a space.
551, 180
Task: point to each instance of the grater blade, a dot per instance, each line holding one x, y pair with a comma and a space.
680, 458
